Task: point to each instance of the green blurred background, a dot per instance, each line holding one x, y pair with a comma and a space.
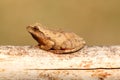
97, 21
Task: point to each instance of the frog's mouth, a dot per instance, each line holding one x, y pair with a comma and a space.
36, 34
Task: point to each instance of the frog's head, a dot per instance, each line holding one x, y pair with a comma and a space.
37, 32
35, 28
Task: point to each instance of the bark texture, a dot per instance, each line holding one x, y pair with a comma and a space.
90, 63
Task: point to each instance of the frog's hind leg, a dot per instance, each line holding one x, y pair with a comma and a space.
67, 51
57, 51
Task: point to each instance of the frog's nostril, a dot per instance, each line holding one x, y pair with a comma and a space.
29, 28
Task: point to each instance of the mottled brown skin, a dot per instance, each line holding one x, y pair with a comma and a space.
55, 41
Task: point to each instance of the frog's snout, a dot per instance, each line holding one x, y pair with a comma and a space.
29, 28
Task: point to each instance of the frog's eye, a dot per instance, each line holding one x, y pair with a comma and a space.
36, 28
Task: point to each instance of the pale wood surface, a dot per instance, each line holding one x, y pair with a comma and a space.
90, 63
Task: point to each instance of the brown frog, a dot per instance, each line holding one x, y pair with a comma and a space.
55, 41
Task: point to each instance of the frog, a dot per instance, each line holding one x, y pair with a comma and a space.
55, 41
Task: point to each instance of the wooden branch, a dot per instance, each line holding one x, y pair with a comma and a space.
90, 63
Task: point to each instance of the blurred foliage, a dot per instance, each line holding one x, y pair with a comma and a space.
98, 21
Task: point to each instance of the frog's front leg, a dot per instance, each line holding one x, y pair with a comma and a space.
47, 46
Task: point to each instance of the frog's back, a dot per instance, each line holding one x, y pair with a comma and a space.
67, 41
